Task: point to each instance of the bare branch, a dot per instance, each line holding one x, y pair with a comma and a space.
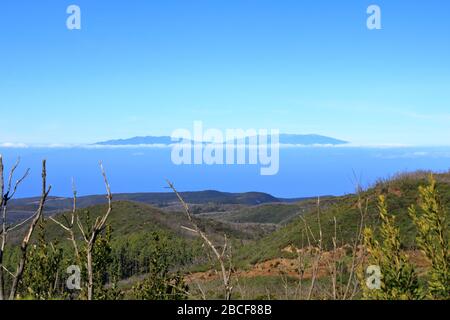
5, 197
97, 228
3, 210
21, 223
108, 196
37, 216
224, 246
74, 207
189, 229
11, 175
316, 264
83, 233
60, 224
10, 273
201, 290
2, 182
358, 240
226, 274
18, 182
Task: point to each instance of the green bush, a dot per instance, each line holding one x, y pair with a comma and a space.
398, 278
160, 283
432, 239
41, 278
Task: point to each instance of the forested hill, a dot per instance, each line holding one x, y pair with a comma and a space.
23, 208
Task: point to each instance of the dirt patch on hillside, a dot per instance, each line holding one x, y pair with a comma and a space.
296, 269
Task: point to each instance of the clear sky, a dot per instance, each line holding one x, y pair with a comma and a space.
148, 67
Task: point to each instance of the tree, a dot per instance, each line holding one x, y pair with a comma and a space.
160, 284
223, 257
432, 239
90, 234
103, 273
398, 277
41, 277
6, 195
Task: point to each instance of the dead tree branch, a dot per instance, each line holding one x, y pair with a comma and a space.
356, 260
71, 223
2, 248
37, 216
4, 200
220, 256
91, 237
316, 264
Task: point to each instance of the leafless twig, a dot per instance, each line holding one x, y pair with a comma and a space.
91, 237
316, 263
225, 272
37, 216
70, 224
4, 200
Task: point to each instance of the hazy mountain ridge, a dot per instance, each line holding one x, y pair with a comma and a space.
294, 139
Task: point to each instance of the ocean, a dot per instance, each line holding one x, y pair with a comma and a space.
303, 171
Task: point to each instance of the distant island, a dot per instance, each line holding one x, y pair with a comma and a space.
291, 139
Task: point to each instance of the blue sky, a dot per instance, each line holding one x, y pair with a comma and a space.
149, 67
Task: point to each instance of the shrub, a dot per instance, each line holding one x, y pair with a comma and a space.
432, 239
398, 278
41, 278
160, 284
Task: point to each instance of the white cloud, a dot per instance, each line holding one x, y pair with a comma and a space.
13, 145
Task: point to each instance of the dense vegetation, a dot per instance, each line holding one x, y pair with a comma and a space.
400, 192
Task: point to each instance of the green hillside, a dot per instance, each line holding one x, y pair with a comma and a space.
401, 193
275, 213
203, 200
259, 234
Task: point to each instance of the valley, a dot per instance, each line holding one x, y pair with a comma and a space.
266, 234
